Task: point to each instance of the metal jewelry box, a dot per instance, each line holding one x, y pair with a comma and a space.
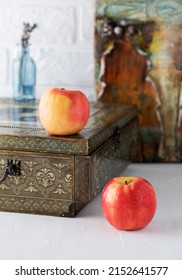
56, 175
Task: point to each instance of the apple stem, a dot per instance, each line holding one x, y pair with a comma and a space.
126, 183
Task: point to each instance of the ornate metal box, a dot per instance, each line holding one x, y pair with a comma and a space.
46, 174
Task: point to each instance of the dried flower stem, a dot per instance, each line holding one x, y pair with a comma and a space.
26, 33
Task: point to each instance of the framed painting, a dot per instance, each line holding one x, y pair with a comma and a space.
138, 55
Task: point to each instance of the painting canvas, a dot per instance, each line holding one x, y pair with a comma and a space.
138, 60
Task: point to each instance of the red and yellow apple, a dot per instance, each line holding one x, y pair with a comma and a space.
128, 203
63, 112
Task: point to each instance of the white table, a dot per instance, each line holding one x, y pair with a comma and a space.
90, 236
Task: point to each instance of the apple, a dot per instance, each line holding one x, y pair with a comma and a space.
63, 112
128, 203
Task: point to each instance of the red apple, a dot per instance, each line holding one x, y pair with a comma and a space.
63, 112
128, 203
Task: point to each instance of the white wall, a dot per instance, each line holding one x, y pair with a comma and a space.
62, 45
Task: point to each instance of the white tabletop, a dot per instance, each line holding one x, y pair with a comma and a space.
90, 236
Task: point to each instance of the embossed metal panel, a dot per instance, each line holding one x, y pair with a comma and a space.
45, 185
94, 171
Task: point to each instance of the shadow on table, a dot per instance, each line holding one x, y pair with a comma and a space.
93, 209
166, 227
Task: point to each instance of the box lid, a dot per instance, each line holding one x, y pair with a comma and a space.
20, 128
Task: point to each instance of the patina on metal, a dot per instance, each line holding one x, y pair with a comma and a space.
138, 60
60, 175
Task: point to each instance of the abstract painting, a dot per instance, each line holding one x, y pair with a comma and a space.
138, 60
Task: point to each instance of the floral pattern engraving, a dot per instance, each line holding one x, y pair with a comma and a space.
31, 188
43, 177
36, 206
113, 158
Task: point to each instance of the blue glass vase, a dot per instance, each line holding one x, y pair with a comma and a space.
23, 76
